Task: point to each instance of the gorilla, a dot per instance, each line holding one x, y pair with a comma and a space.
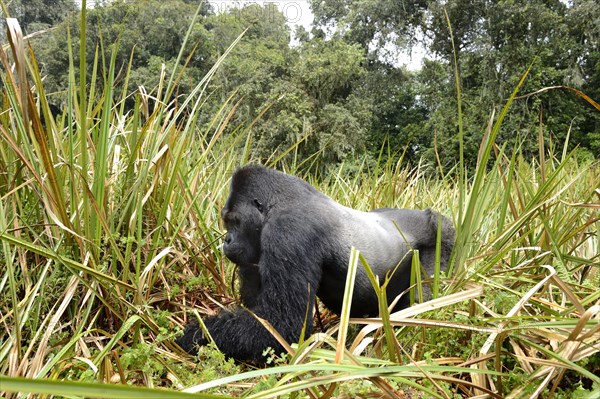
292, 243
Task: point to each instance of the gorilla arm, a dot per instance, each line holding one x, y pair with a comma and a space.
290, 272
250, 284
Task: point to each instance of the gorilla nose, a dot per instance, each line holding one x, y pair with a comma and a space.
228, 239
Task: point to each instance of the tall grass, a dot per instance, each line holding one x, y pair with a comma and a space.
109, 224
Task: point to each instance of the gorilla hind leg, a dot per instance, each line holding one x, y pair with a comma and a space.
427, 254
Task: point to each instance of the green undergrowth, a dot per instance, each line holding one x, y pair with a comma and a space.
110, 232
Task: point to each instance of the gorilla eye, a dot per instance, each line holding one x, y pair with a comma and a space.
259, 206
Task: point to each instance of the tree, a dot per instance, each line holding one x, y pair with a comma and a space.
149, 33
302, 95
327, 68
398, 113
35, 15
494, 43
374, 24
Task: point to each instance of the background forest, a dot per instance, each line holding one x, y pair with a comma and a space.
339, 88
121, 124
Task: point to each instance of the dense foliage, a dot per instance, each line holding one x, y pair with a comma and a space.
114, 168
340, 90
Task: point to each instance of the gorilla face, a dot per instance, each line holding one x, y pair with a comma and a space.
244, 219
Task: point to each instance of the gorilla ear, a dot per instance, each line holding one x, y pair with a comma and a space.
258, 205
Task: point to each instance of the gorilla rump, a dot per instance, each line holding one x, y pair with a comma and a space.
293, 243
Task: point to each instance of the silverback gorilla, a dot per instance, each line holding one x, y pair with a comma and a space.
293, 243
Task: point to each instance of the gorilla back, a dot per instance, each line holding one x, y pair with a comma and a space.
292, 242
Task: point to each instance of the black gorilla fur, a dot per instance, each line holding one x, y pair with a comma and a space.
292, 242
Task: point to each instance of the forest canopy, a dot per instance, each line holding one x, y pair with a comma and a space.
339, 89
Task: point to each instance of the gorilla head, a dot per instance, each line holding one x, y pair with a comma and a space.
292, 243
248, 208
244, 221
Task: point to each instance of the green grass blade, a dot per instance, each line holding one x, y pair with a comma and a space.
96, 390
